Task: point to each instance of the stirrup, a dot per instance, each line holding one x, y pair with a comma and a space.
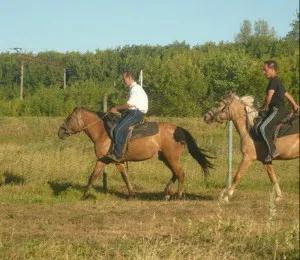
113, 157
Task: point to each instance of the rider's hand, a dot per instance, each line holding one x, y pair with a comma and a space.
113, 110
261, 109
296, 108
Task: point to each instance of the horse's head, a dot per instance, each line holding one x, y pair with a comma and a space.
72, 125
220, 113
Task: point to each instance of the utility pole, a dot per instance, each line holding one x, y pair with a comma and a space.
65, 78
20, 52
24, 57
21, 81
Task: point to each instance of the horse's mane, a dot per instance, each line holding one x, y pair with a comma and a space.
101, 114
251, 112
98, 113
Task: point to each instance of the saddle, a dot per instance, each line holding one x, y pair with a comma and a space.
288, 126
137, 131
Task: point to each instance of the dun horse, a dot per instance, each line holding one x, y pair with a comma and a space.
167, 145
241, 112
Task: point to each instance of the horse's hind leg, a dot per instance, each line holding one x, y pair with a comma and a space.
121, 168
270, 170
168, 187
97, 171
167, 190
178, 174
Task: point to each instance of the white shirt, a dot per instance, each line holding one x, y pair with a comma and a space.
138, 98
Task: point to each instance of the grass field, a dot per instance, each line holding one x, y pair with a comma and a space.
42, 217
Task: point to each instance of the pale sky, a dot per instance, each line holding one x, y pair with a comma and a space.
73, 25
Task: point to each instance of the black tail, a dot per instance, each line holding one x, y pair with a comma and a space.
197, 153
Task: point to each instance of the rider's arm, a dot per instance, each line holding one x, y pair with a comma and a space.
267, 99
292, 101
120, 108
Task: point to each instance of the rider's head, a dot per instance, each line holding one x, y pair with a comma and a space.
128, 78
270, 68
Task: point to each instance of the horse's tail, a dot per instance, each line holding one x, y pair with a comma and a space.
182, 135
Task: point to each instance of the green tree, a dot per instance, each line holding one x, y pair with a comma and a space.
293, 35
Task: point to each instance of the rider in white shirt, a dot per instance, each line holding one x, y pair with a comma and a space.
137, 106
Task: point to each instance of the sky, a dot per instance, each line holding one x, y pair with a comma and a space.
89, 25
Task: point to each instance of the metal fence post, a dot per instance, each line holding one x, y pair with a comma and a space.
229, 153
104, 178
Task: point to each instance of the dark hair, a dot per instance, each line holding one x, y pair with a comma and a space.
271, 64
130, 74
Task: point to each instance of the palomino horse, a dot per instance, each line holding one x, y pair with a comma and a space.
242, 113
167, 144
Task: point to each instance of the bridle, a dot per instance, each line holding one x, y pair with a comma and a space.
215, 112
79, 120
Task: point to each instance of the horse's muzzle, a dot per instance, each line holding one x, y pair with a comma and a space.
62, 133
208, 118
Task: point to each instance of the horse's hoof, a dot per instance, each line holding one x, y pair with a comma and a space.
84, 197
278, 198
167, 197
180, 198
224, 198
130, 198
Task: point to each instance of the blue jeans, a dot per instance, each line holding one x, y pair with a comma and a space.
121, 129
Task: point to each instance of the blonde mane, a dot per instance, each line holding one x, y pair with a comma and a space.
251, 111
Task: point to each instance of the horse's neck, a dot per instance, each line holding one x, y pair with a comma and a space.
93, 126
240, 123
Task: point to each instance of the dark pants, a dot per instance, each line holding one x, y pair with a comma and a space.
267, 126
121, 130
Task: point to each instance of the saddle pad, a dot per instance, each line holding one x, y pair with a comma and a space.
143, 129
287, 129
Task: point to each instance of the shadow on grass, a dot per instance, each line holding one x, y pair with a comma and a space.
150, 196
58, 187
10, 178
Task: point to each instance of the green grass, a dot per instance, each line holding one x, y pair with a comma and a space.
42, 217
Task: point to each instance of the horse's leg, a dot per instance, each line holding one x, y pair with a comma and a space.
172, 180
122, 169
97, 171
169, 185
270, 170
245, 164
178, 174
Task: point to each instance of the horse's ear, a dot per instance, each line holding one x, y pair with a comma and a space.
231, 94
77, 108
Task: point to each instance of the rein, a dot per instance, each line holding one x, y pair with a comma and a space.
99, 119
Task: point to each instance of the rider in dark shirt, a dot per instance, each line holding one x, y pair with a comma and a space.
274, 102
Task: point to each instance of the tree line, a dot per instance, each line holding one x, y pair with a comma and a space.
180, 80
